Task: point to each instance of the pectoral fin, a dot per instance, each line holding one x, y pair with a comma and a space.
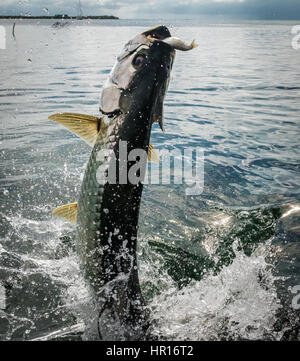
67, 212
153, 155
85, 126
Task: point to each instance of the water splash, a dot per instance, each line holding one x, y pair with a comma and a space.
238, 303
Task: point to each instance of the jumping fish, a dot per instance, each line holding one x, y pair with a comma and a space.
107, 211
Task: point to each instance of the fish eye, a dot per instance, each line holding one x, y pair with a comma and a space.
139, 61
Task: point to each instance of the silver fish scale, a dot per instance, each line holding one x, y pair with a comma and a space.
89, 246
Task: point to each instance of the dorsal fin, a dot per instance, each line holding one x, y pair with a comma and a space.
85, 126
67, 212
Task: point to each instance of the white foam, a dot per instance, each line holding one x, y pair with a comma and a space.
233, 304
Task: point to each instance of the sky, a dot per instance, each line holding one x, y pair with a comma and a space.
147, 9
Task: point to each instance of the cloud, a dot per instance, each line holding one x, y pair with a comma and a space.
245, 9
252, 9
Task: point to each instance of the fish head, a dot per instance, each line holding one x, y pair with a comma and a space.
139, 79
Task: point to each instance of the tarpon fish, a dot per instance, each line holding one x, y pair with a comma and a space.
107, 211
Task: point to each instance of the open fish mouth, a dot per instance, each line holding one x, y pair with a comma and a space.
116, 94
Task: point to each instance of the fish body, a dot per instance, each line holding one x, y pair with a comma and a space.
108, 208
107, 221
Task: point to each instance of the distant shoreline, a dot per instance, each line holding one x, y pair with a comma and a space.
59, 17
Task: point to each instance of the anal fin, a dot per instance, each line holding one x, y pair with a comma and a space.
67, 212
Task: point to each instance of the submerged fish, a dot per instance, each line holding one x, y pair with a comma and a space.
107, 211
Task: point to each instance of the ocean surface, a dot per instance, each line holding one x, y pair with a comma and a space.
220, 265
